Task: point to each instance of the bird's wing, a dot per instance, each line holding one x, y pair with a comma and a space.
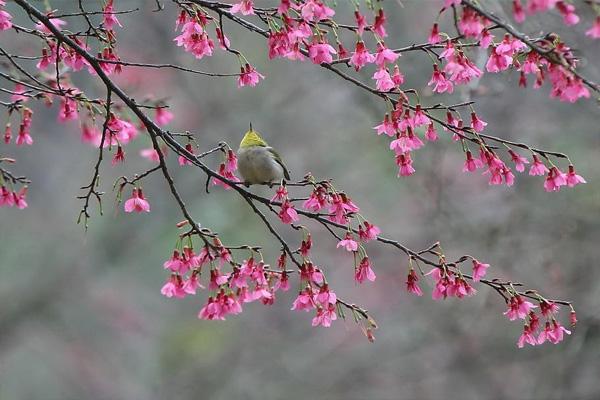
277, 158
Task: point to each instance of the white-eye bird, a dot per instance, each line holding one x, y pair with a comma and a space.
258, 162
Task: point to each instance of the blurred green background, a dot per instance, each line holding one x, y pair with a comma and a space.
81, 315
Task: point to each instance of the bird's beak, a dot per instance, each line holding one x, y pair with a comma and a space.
250, 126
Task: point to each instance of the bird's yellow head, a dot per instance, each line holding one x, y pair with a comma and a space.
251, 139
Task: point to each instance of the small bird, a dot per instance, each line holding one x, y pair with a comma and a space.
258, 162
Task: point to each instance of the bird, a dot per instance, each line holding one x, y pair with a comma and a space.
258, 162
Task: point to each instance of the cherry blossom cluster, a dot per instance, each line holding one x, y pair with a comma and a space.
300, 30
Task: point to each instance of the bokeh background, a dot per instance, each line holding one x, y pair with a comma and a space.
81, 315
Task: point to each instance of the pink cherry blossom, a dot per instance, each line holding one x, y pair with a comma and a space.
173, 287
246, 7
174, 263
404, 163
568, 13
68, 110
386, 127
384, 82
439, 82
348, 243
518, 308
384, 55
56, 22
538, 168
163, 116
109, 18
411, 283
594, 31
471, 164
477, 124
479, 270
527, 337
5, 20
325, 296
249, 76
288, 214
572, 178
548, 308
194, 40
183, 160
379, 24
361, 56
361, 22
316, 201
434, 35
320, 53
364, 271
519, 160
325, 315
518, 11
137, 202
315, 11
431, 133
369, 232
304, 301
150, 154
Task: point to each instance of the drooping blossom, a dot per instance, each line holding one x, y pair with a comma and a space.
439, 82
56, 22
379, 24
411, 283
246, 7
527, 337
369, 232
173, 287
183, 160
477, 124
304, 301
137, 202
519, 160
348, 243
568, 13
249, 76
471, 164
361, 56
518, 11
150, 154
5, 20
325, 315
194, 40
109, 18
594, 31
364, 271
316, 200
479, 270
384, 55
434, 35
18, 92
163, 116
288, 213
321, 52
225, 174
572, 178
518, 308
387, 127
315, 11
554, 180
384, 82
538, 168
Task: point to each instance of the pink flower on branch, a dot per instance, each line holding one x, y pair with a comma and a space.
137, 202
